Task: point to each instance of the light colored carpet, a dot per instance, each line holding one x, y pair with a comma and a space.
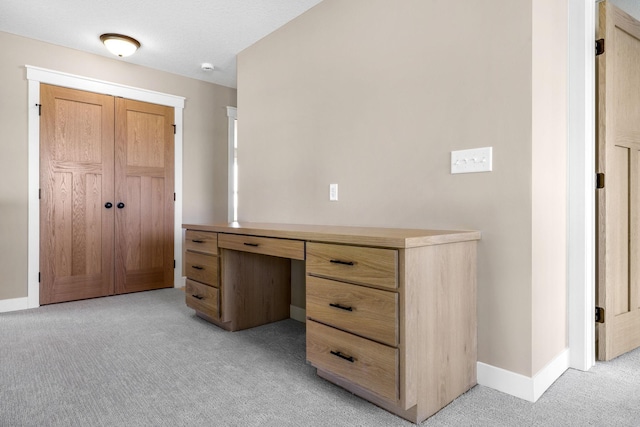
145, 359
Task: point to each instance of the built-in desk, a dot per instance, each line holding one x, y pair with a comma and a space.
391, 313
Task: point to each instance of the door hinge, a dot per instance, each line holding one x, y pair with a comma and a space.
599, 180
39, 193
174, 263
599, 47
38, 277
174, 197
174, 129
599, 315
39, 109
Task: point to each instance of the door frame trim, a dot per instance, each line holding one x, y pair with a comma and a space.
37, 75
581, 183
232, 115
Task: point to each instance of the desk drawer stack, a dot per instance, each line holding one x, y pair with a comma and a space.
203, 280
352, 314
396, 326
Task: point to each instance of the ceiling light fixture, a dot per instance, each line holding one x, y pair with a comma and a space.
120, 45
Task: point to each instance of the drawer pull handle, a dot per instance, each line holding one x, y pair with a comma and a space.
197, 267
255, 245
337, 261
343, 356
341, 307
197, 297
197, 241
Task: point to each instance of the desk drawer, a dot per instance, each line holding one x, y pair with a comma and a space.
363, 362
203, 298
201, 241
369, 266
283, 248
203, 268
372, 313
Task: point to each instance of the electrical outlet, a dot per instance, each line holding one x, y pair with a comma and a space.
333, 192
473, 160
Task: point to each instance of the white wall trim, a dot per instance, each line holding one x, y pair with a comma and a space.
178, 232
73, 81
35, 76
14, 304
232, 114
581, 183
33, 209
521, 386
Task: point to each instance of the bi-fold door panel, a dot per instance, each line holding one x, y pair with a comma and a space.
144, 184
76, 175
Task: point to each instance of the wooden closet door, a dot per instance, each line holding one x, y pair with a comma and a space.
618, 157
144, 196
76, 182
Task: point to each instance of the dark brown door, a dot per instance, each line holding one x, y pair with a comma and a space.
144, 196
76, 182
106, 173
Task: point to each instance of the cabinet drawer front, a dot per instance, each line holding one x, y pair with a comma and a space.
358, 360
203, 268
203, 298
201, 241
372, 313
284, 248
370, 266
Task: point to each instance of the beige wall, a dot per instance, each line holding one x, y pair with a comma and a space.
549, 212
374, 95
205, 140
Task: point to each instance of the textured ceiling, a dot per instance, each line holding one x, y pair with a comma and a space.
176, 35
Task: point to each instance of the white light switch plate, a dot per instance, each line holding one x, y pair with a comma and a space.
473, 160
333, 192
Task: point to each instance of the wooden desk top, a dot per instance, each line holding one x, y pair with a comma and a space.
400, 238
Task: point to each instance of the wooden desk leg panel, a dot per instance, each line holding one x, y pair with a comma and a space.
255, 289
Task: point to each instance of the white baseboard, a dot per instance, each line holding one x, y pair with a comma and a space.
297, 313
181, 282
14, 304
527, 388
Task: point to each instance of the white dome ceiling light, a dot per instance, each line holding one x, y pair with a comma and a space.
119, 44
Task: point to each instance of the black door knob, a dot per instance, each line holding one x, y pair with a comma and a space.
108, 205
120, 205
